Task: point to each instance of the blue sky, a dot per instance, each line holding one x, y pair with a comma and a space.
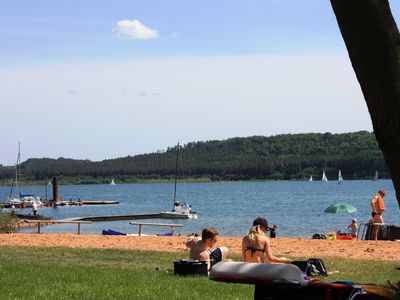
105, 79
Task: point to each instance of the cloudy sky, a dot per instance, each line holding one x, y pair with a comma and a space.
105, 79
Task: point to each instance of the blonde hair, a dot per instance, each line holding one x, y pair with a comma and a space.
254, 231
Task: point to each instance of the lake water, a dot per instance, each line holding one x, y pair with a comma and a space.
297, 208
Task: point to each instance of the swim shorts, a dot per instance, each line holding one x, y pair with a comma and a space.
215, 255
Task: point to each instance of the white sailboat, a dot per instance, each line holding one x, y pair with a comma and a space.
311, 179
375, 176
49, 183
112, 182
179, 210
324, 178
20, 200
340, 177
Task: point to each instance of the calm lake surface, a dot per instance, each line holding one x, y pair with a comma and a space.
297, 208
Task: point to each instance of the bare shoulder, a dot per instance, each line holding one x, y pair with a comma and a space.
192, 241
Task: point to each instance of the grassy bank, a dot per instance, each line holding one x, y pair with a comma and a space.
60, 273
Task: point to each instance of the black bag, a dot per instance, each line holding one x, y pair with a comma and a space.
312, 267
190, 267
317, 267
318, 236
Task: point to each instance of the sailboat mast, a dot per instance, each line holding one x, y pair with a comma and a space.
15, 179
176, 174
17, 169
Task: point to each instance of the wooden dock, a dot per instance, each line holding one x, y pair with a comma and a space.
119, 217
86, 202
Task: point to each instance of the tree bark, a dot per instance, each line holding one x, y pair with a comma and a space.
373, 43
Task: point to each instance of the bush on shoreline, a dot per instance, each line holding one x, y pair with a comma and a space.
7, 221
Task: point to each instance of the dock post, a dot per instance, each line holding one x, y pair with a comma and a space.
55, 190
79, 228
140, 229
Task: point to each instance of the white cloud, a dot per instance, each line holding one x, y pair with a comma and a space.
134, 29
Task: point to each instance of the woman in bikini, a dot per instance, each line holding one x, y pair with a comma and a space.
256, 246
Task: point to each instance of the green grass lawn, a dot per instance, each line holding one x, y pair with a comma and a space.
64, 273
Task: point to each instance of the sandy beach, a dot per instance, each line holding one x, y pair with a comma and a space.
291, 247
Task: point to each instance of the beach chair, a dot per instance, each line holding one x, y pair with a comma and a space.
286, 281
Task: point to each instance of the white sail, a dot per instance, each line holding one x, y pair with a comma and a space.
324, 178
311, 179
340, 177
375, 176
112, 182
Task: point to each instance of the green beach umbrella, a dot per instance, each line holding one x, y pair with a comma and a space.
340, 208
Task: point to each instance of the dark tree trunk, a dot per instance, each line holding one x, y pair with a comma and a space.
373, 42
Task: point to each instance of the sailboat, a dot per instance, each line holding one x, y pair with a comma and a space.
112, 182
179, 210
49, 183
20, 200
375, 176
311, 179
340, 177
324, 177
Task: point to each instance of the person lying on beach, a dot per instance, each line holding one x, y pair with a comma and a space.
203, 249
256, 246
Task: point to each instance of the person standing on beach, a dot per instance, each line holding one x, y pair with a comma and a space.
353, 228
34, 207
378, 207
272, 233
256, 246
203, 249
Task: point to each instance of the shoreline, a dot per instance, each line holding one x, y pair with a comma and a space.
290, 247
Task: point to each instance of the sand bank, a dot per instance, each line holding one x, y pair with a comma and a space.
291, 247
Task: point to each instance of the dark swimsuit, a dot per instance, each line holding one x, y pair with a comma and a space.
254, 250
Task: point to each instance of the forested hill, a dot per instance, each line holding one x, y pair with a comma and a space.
289, 156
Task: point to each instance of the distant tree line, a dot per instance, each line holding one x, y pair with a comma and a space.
280, 157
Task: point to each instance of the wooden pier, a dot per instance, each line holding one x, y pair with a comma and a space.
86, 202
119, 217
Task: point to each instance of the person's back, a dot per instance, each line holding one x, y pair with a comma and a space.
254, 248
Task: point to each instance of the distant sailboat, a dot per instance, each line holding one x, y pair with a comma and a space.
112, 182
49, 183
375, 176
324, 176
340, 177
311, 179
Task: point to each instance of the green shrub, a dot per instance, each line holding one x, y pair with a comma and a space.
7, 221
